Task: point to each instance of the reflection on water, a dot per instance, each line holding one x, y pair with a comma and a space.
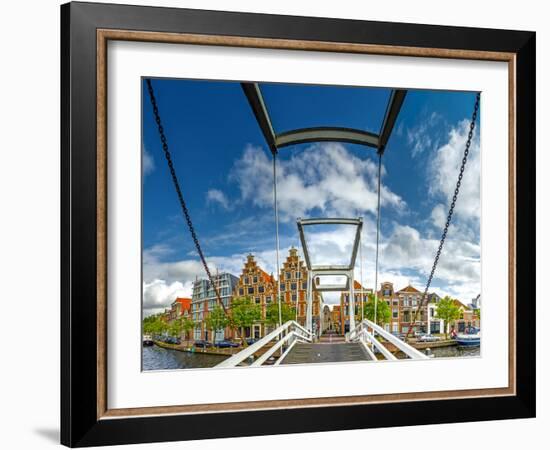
157, 358
455, 351
448, 352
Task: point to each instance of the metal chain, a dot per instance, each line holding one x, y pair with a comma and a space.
450, 214
178, 191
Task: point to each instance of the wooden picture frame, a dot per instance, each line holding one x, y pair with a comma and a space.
85, 30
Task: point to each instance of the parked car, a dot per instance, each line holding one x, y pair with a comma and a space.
250, 341
202, 344
226, 344
399, 335
429, 338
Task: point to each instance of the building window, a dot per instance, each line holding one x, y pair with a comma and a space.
287, 275
245, 281
251, 290
255, 280
261, 289
304, 285
395, 313
257, 300
293, 286
386, 292
241, 291
298, 275
282, 287
294, 297
268, 299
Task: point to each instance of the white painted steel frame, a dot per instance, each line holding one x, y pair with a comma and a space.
361, 332
290, 330
336, 270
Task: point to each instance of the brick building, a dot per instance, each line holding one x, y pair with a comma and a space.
293, 288
361, 294
387, 294
258, 285
336, 318
180, 307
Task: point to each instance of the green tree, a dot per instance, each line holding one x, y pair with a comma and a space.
383, 311
154, 324
187, 324
447, 311
216, 320
174, 328
272, 313
245, 313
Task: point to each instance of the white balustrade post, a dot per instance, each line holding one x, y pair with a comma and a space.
309, 305
351, 302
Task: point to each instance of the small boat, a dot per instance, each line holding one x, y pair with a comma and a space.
468, 340
147, 341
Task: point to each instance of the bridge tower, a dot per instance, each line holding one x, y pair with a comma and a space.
332, 272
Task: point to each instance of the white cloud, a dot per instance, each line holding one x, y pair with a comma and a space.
439, 216
421, 138
458, 269
328, 180
444, 169
217, 197
325, 177
406, 257
148, 162
158, 294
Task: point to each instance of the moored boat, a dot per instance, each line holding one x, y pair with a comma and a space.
147, 341
468, 340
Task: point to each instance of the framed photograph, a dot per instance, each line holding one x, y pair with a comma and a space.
286, 224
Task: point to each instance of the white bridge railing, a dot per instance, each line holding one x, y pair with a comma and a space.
365, 334
287, 334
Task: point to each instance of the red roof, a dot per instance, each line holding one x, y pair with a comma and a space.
266, 278
184, 302
460, 304
411, 289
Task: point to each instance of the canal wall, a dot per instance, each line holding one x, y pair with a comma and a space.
209, 350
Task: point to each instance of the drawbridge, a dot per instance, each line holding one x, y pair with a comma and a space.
290, 342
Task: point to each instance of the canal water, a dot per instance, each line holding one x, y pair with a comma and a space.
448, 352
455, 351
157, 358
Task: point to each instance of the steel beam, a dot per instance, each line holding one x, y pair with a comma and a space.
330, 221
327, 134
256, 101
323, 134
392, 111
330, 269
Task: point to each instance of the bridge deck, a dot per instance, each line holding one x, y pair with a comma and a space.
303, 353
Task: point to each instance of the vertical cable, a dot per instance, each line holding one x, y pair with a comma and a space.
277, 235
361, 275
377, 239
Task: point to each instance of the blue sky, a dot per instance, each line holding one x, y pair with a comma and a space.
224, 168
